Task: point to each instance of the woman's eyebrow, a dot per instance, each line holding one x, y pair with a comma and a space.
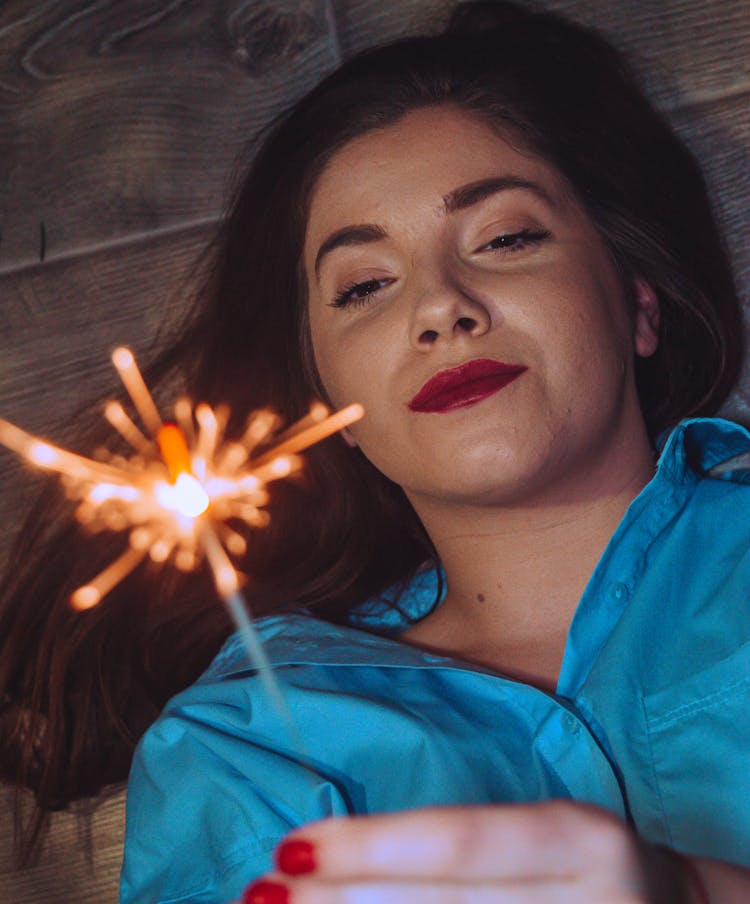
474, 192
350, 235
459, 199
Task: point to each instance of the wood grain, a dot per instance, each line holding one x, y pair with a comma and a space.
79, 863
120, 118
362, 23
718, 133
58, 323
688, 51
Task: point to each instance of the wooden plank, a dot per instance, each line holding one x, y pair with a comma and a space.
362, 23
119, 118
79, 862
719, 135
60, 321
58, 324
689, 51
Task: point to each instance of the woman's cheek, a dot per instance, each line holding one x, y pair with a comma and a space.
363, 365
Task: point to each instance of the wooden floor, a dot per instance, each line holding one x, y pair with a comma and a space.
119, 125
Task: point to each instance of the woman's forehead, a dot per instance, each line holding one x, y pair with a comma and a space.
421, 141
424, 157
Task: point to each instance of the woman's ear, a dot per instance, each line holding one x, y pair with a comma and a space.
646, 330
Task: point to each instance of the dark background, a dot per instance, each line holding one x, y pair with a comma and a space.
119, 124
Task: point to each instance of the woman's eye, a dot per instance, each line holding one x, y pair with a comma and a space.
359, 293
515, 241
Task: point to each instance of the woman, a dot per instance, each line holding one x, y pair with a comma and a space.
489, 239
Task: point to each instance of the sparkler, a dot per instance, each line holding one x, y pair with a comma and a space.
179, 489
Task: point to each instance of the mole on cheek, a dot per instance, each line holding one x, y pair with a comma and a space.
480, 597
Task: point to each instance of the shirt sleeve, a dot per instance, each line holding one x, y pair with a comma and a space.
210, 795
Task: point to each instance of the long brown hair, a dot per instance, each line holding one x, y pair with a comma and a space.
79, 689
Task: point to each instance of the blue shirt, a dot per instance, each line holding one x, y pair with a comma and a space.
650, 719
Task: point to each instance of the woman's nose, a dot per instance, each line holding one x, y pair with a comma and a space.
446, 312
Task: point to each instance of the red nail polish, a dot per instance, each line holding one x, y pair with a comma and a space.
265, 892
296, 857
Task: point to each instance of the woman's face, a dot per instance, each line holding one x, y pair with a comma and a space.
432, 244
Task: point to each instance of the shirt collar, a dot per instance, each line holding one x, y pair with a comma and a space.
697, 445
293, 639
687, 453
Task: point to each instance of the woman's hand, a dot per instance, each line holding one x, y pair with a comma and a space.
555, 852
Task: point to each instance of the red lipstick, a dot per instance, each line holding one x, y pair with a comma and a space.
464, 385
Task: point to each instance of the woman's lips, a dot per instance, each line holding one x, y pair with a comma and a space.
464, 385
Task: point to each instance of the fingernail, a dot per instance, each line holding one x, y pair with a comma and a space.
296, 857
265, 892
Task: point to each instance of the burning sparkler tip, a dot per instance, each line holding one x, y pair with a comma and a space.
181, 484
42, 454
85, 597
122, 357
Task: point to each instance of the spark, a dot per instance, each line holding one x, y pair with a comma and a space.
182, 483
175, 493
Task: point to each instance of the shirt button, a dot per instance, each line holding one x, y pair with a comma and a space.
570, 723
618, 592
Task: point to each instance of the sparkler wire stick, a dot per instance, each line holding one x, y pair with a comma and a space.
179, 489
225, 578
738, 462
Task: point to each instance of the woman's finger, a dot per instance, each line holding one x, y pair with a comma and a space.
285, 891
551, 840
